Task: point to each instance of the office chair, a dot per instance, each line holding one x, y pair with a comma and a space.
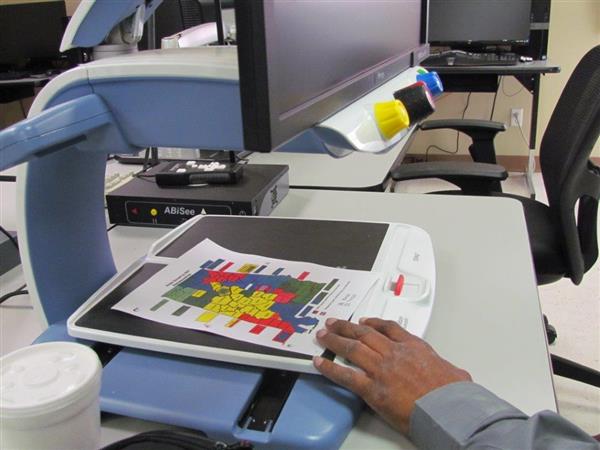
563, 234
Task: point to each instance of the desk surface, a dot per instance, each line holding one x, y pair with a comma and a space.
357, 171
486, 319
521, 68
486, 289
42, 79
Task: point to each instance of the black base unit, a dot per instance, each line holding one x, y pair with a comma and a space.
142, 202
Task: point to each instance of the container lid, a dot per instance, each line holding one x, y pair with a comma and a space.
44, 378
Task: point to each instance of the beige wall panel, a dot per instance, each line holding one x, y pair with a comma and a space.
574, 29
13, 112
71, 6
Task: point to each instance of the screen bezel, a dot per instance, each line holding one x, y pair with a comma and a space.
263, 129
475, 43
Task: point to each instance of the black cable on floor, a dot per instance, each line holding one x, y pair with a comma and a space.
18, 291
455, 151
10, 237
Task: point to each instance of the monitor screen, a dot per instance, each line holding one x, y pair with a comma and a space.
302, 61
30, 33
479, 21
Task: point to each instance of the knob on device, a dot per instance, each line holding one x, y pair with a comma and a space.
432, 81
417, 101
391, 117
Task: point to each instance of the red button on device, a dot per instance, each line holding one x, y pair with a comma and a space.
399, 285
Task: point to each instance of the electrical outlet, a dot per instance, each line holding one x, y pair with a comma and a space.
516, 117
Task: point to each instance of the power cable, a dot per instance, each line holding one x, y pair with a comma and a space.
19, 291
455, 151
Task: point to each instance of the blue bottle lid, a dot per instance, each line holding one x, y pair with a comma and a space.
433, 82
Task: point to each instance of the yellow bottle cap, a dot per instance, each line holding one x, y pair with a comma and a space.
391, 117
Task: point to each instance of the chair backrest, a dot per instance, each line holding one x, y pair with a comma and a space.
572, 181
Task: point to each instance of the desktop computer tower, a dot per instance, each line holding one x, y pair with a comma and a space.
539, 30
540, 12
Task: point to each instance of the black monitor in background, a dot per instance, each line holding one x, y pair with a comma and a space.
30, 35
474, 23
302, 61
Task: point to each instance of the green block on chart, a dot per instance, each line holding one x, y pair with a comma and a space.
158, 305
179, 294
304, 290
180, 311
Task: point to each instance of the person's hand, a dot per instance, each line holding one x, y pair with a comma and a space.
396, 367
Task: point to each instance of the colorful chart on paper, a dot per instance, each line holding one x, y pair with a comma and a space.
261, 300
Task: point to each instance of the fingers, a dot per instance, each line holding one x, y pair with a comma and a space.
387, 328
353, 350
351, 379
362, 333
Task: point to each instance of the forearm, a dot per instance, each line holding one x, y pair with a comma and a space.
467, 416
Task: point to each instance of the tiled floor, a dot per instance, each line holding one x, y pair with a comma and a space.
573, 310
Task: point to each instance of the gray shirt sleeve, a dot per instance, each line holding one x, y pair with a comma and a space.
467, 416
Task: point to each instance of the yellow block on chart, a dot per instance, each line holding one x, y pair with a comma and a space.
231, 323
247, 268
264, 314
206, 317
198, 293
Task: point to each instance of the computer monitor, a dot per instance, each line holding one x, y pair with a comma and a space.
30, 33
302, 61
479, 22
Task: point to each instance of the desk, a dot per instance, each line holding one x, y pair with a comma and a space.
486, 79
34, 80
486, 319
356, 172
20, 88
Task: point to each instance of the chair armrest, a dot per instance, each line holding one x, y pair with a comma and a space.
448, 168
481, 132
471, 178
464, 125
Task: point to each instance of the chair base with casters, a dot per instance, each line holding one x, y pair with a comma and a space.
551, 333
570, 369
574, 371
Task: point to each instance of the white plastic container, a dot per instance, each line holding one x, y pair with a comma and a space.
49, 398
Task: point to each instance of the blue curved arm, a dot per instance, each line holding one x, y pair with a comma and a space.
102, 16
85, 121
